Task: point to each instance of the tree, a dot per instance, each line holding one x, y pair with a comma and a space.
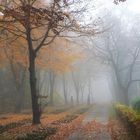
57, 59
76, 77
24, 19
118, 1
15, 58
123, 61
65, 90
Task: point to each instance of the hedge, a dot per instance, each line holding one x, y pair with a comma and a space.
130, 118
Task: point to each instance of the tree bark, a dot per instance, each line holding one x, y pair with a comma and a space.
76, 86
52, 81
32, 74
88, 99
35, 105
65, 90
123, 96
122, 93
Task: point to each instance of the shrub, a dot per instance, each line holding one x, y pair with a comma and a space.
130, 118
136, 104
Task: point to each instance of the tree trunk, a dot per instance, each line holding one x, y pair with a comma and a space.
82, 93
65, 90
82, 97
51, 96
32, 74
76, 86
35, 105
72, 100
124, 98
77, 97
88, 99
52, 81
122, 92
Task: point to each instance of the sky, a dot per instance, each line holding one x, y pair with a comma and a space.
100, 7
130, 5
134, 5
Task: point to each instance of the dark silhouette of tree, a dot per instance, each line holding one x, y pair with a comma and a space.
38, 26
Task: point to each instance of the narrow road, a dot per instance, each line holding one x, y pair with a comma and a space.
99, 114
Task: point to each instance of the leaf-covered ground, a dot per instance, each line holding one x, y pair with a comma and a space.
97, 125
66, 123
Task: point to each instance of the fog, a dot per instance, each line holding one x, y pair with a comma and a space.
60, 56
100, 57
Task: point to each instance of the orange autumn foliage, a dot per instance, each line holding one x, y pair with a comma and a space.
58, 57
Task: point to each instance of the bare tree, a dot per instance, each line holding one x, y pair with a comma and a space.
122, 61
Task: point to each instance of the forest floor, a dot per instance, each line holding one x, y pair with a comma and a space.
65, 123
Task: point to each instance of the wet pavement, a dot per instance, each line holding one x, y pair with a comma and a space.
99, 113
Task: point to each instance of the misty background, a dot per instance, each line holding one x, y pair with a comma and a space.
107, 64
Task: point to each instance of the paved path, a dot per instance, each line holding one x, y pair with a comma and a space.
99, 113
